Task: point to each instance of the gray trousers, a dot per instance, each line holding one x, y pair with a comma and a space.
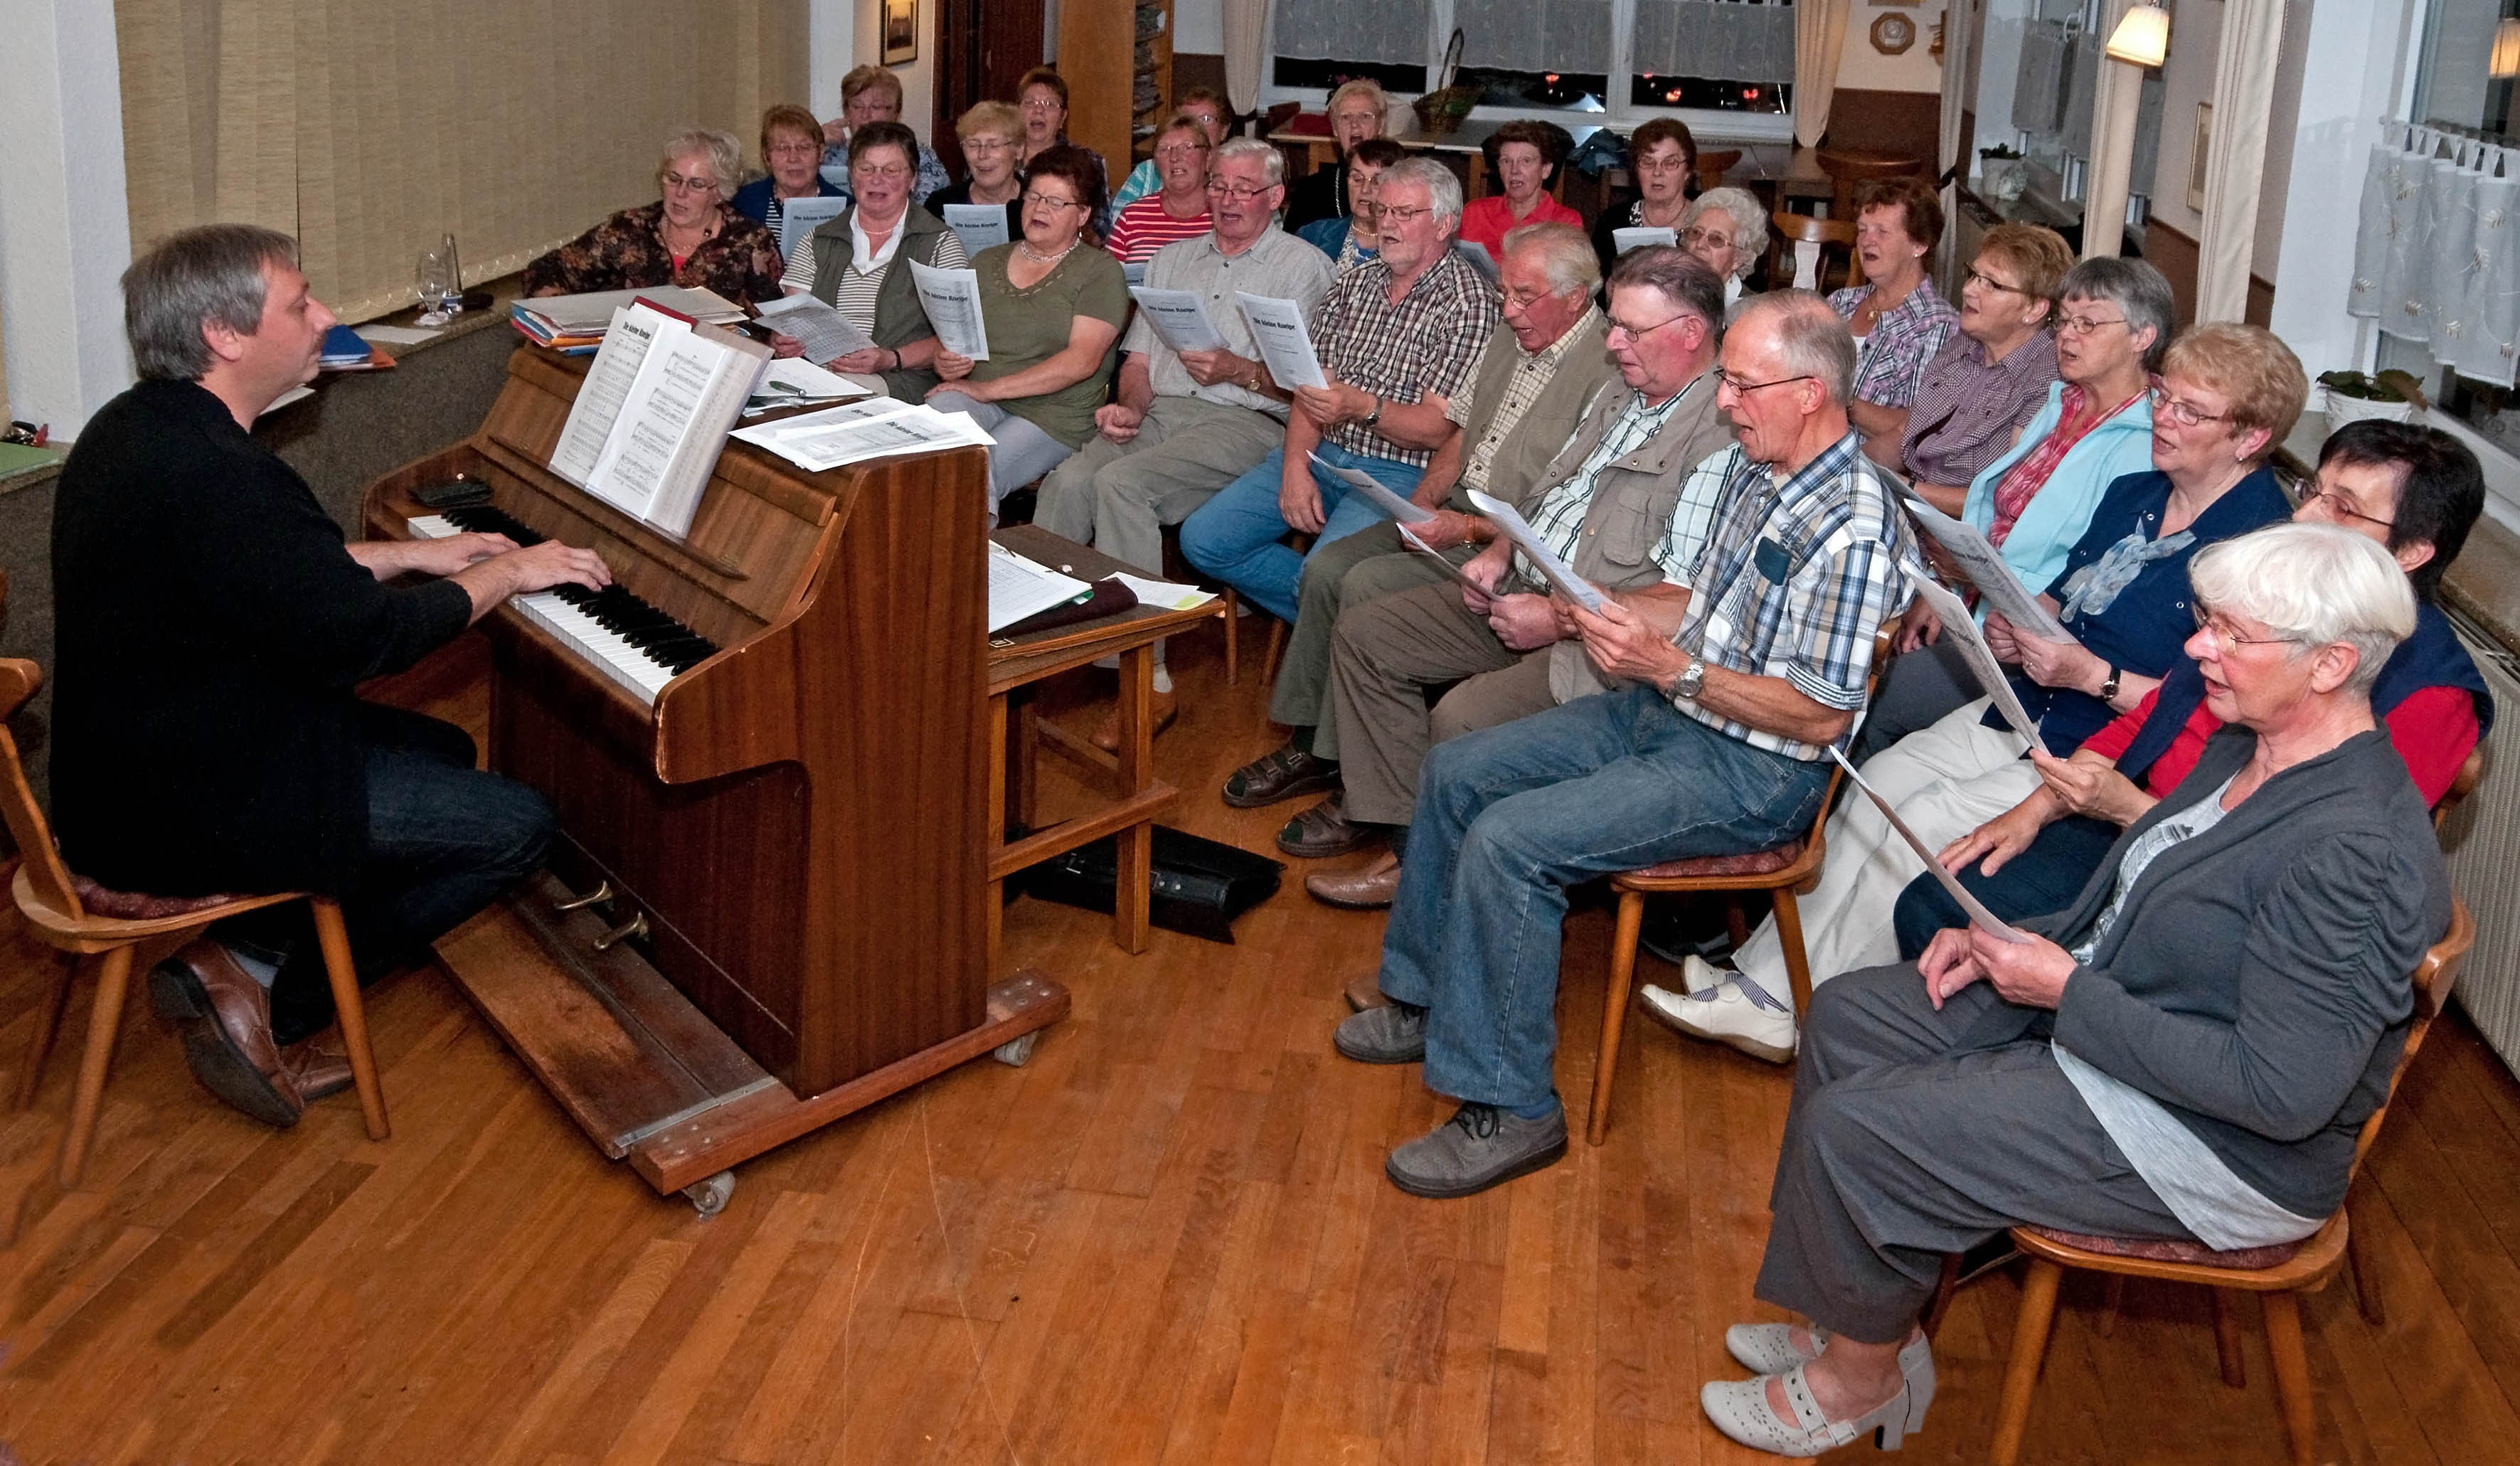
1117, 498
1383, 656
1023, 452
1914, 1134
1346, 572
1918, 691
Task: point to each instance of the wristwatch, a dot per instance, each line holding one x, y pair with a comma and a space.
1684, 687
2110, 688
1376, 415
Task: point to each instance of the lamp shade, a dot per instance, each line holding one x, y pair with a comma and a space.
2506, 48
2143, 37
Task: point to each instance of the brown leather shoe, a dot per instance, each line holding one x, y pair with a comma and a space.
1325, 831
1365, 992
1106, 733
224, 1018
1285, 773
1368, 888
317, 1069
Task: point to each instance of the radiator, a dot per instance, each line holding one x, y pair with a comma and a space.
2483, 840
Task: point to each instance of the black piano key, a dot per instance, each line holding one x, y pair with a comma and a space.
659, 635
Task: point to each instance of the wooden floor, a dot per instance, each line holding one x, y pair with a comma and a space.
1167, 1239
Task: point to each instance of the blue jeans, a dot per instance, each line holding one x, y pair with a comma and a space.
1507, 817
1236, 536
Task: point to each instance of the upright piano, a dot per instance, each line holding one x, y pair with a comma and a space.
766, 748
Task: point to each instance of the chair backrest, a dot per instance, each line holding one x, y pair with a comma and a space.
2461, 785
1801, 237
1882, 640
1848, 166
45, 872
2434, 978
1712, 166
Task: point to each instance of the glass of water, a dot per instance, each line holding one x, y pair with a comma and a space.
454, 275
432, 277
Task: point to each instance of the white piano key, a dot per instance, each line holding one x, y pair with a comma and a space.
432, 526
626, 664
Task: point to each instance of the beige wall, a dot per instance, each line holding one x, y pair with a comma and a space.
1860, 68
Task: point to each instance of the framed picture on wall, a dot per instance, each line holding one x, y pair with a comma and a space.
900, 31
2201, 150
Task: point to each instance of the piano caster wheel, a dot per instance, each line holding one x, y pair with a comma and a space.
1015, 1053
709, 1196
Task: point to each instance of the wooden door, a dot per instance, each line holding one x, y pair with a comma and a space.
983, 48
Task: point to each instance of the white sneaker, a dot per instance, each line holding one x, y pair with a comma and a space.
1733, 1011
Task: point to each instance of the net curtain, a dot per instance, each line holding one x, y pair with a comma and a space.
2433, 256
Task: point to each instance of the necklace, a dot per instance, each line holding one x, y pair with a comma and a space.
1037, 257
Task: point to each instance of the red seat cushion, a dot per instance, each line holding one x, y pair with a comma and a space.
1753, 863
2171, 1250
133, 905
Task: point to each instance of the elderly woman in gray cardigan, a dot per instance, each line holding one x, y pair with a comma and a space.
2186, 1051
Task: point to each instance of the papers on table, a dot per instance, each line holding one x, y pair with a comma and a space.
980, 226
581, 320
800, 218
1962, 628
1561, 575
397, 335
1389, 503
1639, 237
952, 300
1286, 345
1478, 257
1020, 587
1164, 595
1979, 917
825, 333
854, 431
294, 395
793, 382
1179, 318
1986, 569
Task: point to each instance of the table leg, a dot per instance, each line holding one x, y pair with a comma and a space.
1136, 843
1025, 773
995, 895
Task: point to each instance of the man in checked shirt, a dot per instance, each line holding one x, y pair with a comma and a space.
1716, 743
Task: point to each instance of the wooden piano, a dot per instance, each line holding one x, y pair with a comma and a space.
767, 749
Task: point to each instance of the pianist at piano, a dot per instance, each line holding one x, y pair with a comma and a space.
211, 625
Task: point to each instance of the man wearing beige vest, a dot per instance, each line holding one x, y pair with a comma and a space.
1536, 376
1624, 504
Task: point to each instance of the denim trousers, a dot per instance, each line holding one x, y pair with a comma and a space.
1235, 537
1510, 816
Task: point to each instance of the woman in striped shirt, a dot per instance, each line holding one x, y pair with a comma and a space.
1177, 211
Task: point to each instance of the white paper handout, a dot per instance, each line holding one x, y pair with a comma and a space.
1390, 503
1985, 568
1979, 917
1134, 271
1179, 318
1641, 236
860, 431
1286, 345
1020, 588
800, 218
1413, 542
1569, 584
980, 226
1164, 595
824, 333
1959, 625
396, 335
952, 300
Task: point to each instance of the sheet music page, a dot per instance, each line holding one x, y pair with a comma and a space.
1639, 237
952, 299
737, 361
615, 369
867, 410
1979, 917
1986, 569
1020, 588
1560, 574
824, 333
1400, 509
1413, 542
1285, 345
654, 416
918, 428
793, 382
980, 226
1971, 642
798, 218
1177, 316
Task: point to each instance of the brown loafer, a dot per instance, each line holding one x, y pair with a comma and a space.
1365, 992
317, 1069
1287, 773
1324, 830
1369, 888
1107, 734
224, 1018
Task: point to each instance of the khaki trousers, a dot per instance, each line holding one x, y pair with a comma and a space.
1338, 576
1383, 656
1117, 498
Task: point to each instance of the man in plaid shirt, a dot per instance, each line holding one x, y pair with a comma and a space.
1398, 337
1717, 745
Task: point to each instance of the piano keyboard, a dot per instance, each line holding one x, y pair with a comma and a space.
633, 643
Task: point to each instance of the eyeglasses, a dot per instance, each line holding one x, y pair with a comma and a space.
796, 150
2221, 629
2085, 325
893, 174
1049, 200
2337, 503
1239, 192
1639, 332
1654, 162
1398, 214
1708, 238
1042, 103
1741, 388
676, 183
972, 145
2185, 414
1180, 149
1980, 277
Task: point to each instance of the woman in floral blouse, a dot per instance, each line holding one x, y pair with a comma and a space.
691, 236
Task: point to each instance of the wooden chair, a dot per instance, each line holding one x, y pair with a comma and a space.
1848, 166
2278, 1274
79, 918
1804, 238
1783, 872
1712, 166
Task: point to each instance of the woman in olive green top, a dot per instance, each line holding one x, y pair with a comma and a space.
1054, 303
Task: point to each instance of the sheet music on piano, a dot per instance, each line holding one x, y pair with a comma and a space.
645, 434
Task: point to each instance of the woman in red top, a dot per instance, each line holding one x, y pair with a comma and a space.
1523, 157
2416, 491
1178, 210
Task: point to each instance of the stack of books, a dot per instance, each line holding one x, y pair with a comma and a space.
346, 351
575, 324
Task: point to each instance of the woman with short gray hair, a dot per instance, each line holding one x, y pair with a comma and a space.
2187, 1052
1728, 229
692, 235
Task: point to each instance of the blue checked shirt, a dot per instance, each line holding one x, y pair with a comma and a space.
1795, 579
1902, 343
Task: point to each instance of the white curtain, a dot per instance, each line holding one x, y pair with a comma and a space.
2245, 87
1723, 39
1246, 43
1535, 35
2433, 256
1820, 34
1390, 32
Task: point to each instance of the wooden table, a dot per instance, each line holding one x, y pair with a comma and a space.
1015, 663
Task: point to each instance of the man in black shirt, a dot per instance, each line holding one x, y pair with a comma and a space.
211, 624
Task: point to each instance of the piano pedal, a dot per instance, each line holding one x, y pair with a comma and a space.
635, 929
601, 893
708, 1198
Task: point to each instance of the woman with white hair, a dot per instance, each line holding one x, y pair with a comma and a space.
690, 237
2187, 1051
1727, 229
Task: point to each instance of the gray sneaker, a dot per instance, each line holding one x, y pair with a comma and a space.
1391, 1035
1480, 1146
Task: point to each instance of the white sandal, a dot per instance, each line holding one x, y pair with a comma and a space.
1769, 1349
1739, 1408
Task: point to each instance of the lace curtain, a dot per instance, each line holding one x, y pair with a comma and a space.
1389, 32
1726, 39
2433, 258
1535, 35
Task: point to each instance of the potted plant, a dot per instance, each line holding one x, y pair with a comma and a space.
2354, 396
2003, 170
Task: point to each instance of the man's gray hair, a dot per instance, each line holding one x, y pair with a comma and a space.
1683, 279
1443, 190
1810, 339
1273, 161
212, 272
1565, 255
2141, 292
1749, 222
724, 153
2315, 585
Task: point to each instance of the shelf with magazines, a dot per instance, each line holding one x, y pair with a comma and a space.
1118, 95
